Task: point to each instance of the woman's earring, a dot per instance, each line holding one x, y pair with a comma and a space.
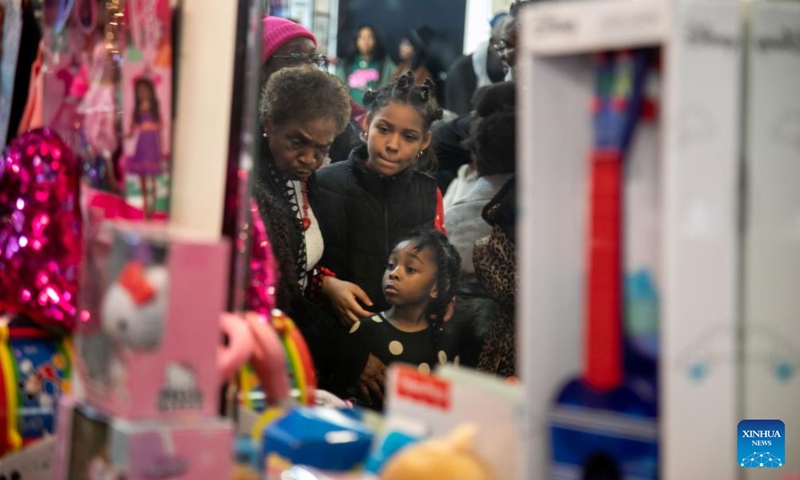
420, 153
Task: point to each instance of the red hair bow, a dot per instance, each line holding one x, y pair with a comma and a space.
134, 281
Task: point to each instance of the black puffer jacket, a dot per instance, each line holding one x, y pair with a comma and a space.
363, 215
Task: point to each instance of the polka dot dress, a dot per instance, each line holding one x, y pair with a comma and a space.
391, 345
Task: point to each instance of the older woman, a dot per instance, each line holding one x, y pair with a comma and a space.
302, 111
289, 44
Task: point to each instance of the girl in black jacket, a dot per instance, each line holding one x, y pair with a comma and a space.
376, 198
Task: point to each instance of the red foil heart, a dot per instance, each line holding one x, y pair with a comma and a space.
40, 229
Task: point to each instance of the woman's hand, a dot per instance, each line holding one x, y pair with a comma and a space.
371, 381
344, 297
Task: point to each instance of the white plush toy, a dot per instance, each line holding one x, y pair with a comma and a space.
135, 306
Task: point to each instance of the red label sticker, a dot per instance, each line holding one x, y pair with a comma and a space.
422, 388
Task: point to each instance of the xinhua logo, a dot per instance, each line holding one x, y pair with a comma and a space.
762, 443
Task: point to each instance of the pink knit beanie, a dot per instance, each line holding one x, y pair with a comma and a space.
278, 31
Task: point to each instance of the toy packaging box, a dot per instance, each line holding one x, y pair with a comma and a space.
35, 369
150, 306
92, 446
455, 396
320, 437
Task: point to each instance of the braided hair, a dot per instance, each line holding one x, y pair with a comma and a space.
422, 97
448, 269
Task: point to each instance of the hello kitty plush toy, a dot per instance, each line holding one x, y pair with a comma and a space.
135, 306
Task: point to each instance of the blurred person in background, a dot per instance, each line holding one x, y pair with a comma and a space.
483, 320
506, 46
413, 51
492, 142
478, 69
368, 66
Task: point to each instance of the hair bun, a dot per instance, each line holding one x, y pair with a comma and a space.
427, 90
369, 97
424, 93
404, 81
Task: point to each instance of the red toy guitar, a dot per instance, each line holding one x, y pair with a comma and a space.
602, 427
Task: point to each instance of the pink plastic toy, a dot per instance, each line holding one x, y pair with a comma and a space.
269, 361
252, 339
240, 346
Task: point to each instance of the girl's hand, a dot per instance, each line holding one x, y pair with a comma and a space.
344, 297
371, 380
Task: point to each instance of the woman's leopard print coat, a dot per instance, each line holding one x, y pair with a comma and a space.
495, 259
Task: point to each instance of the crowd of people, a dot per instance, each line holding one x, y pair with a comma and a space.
387, 253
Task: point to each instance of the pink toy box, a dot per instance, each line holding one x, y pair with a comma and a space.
148, 333
91, 446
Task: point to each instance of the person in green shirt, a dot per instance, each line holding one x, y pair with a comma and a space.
368, 67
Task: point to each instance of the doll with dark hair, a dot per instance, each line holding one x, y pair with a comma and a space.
147, 160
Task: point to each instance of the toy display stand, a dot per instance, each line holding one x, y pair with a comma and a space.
771, 248
698, 174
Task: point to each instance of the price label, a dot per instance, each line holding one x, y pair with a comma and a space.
426, 389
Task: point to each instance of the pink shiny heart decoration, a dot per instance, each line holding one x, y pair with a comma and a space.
264, 276
40, 229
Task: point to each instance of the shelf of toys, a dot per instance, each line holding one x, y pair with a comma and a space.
126, 234
667, 261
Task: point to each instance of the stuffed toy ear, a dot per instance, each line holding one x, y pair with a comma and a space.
463, 438
449, 458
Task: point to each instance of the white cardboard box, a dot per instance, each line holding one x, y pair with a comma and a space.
456, 396
771, 282
699, 158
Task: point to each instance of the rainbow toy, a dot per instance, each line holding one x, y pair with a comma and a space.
299, 366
